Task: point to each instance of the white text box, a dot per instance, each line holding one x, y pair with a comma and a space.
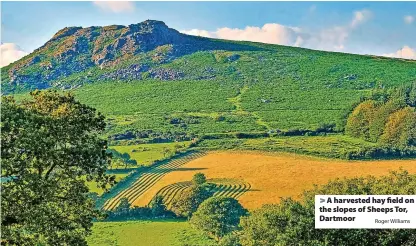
365, 211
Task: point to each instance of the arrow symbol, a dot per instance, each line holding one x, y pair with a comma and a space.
321, 200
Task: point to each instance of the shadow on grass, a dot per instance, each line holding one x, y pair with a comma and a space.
163, 170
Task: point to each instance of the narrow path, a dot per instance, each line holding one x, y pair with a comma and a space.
236, 101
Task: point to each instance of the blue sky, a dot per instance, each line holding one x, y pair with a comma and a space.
381, 28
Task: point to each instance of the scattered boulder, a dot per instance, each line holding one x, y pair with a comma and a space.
134, 71
166, 74
351, 77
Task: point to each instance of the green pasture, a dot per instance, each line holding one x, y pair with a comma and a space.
331, 146
147, 154
149, 233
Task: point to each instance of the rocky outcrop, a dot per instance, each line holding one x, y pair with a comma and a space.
165, 74
67, 31
74, 50
133, 72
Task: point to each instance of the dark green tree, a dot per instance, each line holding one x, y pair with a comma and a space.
187, 202
199, 179
123, 207
231, 239
218, 216
50, 146
157, 206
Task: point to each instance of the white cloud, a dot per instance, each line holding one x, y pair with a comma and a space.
197, 32
115, 6
360, 17
331, 39
405, 52
9, 53
408, 19
271, 33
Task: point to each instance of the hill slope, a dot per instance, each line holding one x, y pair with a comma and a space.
152, 81
75, 50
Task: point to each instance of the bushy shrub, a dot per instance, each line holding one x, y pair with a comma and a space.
251, 135
124, 211
326, 128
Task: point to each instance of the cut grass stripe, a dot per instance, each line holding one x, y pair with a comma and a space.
224, 188
148, 179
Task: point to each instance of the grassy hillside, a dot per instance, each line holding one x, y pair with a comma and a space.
284, 88
150, 77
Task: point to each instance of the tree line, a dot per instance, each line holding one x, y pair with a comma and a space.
387, 117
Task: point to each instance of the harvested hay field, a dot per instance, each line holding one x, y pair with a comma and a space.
272, 176
223, 188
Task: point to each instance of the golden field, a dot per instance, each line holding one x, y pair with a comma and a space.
273, 175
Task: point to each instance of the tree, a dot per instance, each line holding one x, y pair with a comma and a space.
358, 123
166, 151
123, 207
199, 179
381, 115
218, 216
50, 146
177, 148
231, 239
187, 202
292, 222
157, 206
400, 129
126, 158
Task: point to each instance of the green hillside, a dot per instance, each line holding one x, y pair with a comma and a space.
153, 82
276, 92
